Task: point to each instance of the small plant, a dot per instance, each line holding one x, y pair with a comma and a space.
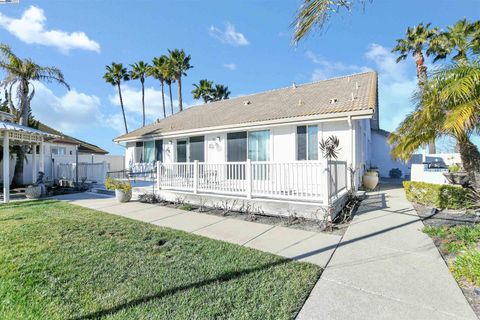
454, 168
227, 206
179, 200
395, 173
112, 184
202, 204
186, 207
149, 198
330, 147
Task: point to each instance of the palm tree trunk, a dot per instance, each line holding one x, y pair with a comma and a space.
470, 159
143, 101
180, 106
171, 98
20, 150
163, 100
121, 104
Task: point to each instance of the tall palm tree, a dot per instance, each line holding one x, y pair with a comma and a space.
140, 71
203, 90
461, 40
22, 73
179, 64
157, 70
315, 13
450, 106
416, 42
115, 75
220, 92
169, 80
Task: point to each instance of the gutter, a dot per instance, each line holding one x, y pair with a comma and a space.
353, 115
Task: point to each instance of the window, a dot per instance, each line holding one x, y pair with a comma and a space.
159, 150
307, 143
237, 146
58, 151
181, 150
149, 151
258, 145
197, 148
138, 152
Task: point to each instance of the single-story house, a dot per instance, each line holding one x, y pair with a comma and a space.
264, 148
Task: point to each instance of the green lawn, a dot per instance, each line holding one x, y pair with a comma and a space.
59, 261
463, 242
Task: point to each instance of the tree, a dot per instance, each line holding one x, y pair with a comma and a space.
179, 64
450, 106
158, 70
115, 75
140, 71
316, 13
169, 80
220, 92
203, 90
415, 42
22, 74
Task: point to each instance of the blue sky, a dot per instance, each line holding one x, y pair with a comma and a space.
242, 44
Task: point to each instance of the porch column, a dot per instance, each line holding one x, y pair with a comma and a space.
42, 156
6, 168
34, 163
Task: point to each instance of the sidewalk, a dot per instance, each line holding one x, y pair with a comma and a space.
313, 247
385, 267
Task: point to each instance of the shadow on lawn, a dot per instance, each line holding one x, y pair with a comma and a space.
27, 203
222, 278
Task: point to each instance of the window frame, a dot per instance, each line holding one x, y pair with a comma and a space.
307, 142
270, 141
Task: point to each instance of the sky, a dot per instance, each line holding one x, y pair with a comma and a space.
245, 45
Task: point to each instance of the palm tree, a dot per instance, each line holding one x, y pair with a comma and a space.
461, 39
23, 73
115, 74
140, 71
158, 72
169, 80
415, 42
179, 64
315, 13
204, 90
220, 92
450, 106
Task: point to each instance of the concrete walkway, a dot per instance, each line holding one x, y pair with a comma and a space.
385, 267
313, 247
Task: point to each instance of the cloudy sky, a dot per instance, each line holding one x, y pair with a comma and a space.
243, 44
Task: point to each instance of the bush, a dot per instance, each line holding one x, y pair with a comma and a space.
395, 173
441, 196
467, 267
112, 184
454, 168
185, 206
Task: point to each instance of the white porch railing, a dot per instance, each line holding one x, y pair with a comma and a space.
300, 180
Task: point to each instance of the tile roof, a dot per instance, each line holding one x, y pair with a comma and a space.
357, 92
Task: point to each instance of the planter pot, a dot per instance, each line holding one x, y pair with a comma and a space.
371, 173
33, 192
370, 181
123, 196
460, 178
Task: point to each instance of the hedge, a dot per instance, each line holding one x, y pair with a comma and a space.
442, 196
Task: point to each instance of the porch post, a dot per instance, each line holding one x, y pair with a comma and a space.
34, 163
158, 176
6, 168
248, 178
195, 176
326, 181
42, 156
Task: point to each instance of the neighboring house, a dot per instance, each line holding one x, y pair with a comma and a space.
265, 147
381, 158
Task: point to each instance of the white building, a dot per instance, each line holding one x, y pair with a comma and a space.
265, 147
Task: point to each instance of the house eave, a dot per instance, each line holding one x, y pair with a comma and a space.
354, 115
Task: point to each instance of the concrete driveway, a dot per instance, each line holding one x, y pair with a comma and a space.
313, 247
385, 267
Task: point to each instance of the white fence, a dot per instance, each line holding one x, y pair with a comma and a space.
301, 180
86, 171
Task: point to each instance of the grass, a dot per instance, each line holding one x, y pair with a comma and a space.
59, 261
462, 242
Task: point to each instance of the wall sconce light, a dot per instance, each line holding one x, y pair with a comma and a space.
217, 140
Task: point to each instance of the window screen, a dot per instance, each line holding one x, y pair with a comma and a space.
259, 145
159, 150
181, 150
197, 148
307, 143
302, 143
237, 146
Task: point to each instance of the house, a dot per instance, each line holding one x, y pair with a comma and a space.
264, 148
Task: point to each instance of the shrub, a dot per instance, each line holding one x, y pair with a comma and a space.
441, 196
395, 173
112, 184
149, 198
454, 168
467, 267
186, 207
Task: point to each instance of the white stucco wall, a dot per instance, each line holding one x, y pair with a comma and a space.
381, 158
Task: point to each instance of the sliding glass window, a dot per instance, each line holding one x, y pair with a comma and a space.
259, 145
307, 143
197, 148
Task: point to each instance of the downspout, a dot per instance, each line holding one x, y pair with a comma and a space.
352, 149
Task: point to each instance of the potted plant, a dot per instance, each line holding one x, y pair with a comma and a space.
370, 178
33, 192
123, 190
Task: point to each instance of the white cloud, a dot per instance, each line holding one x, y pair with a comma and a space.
30, 28
229, 36
69, 113
230, 66
327, 69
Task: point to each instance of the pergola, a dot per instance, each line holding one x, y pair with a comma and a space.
14, 134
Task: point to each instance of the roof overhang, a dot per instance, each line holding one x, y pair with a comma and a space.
328, 117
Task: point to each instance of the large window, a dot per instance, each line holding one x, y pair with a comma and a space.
159, 150
307, 143
236, 146
58, 151
258, 145
181, 150
191, 149
149, 151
